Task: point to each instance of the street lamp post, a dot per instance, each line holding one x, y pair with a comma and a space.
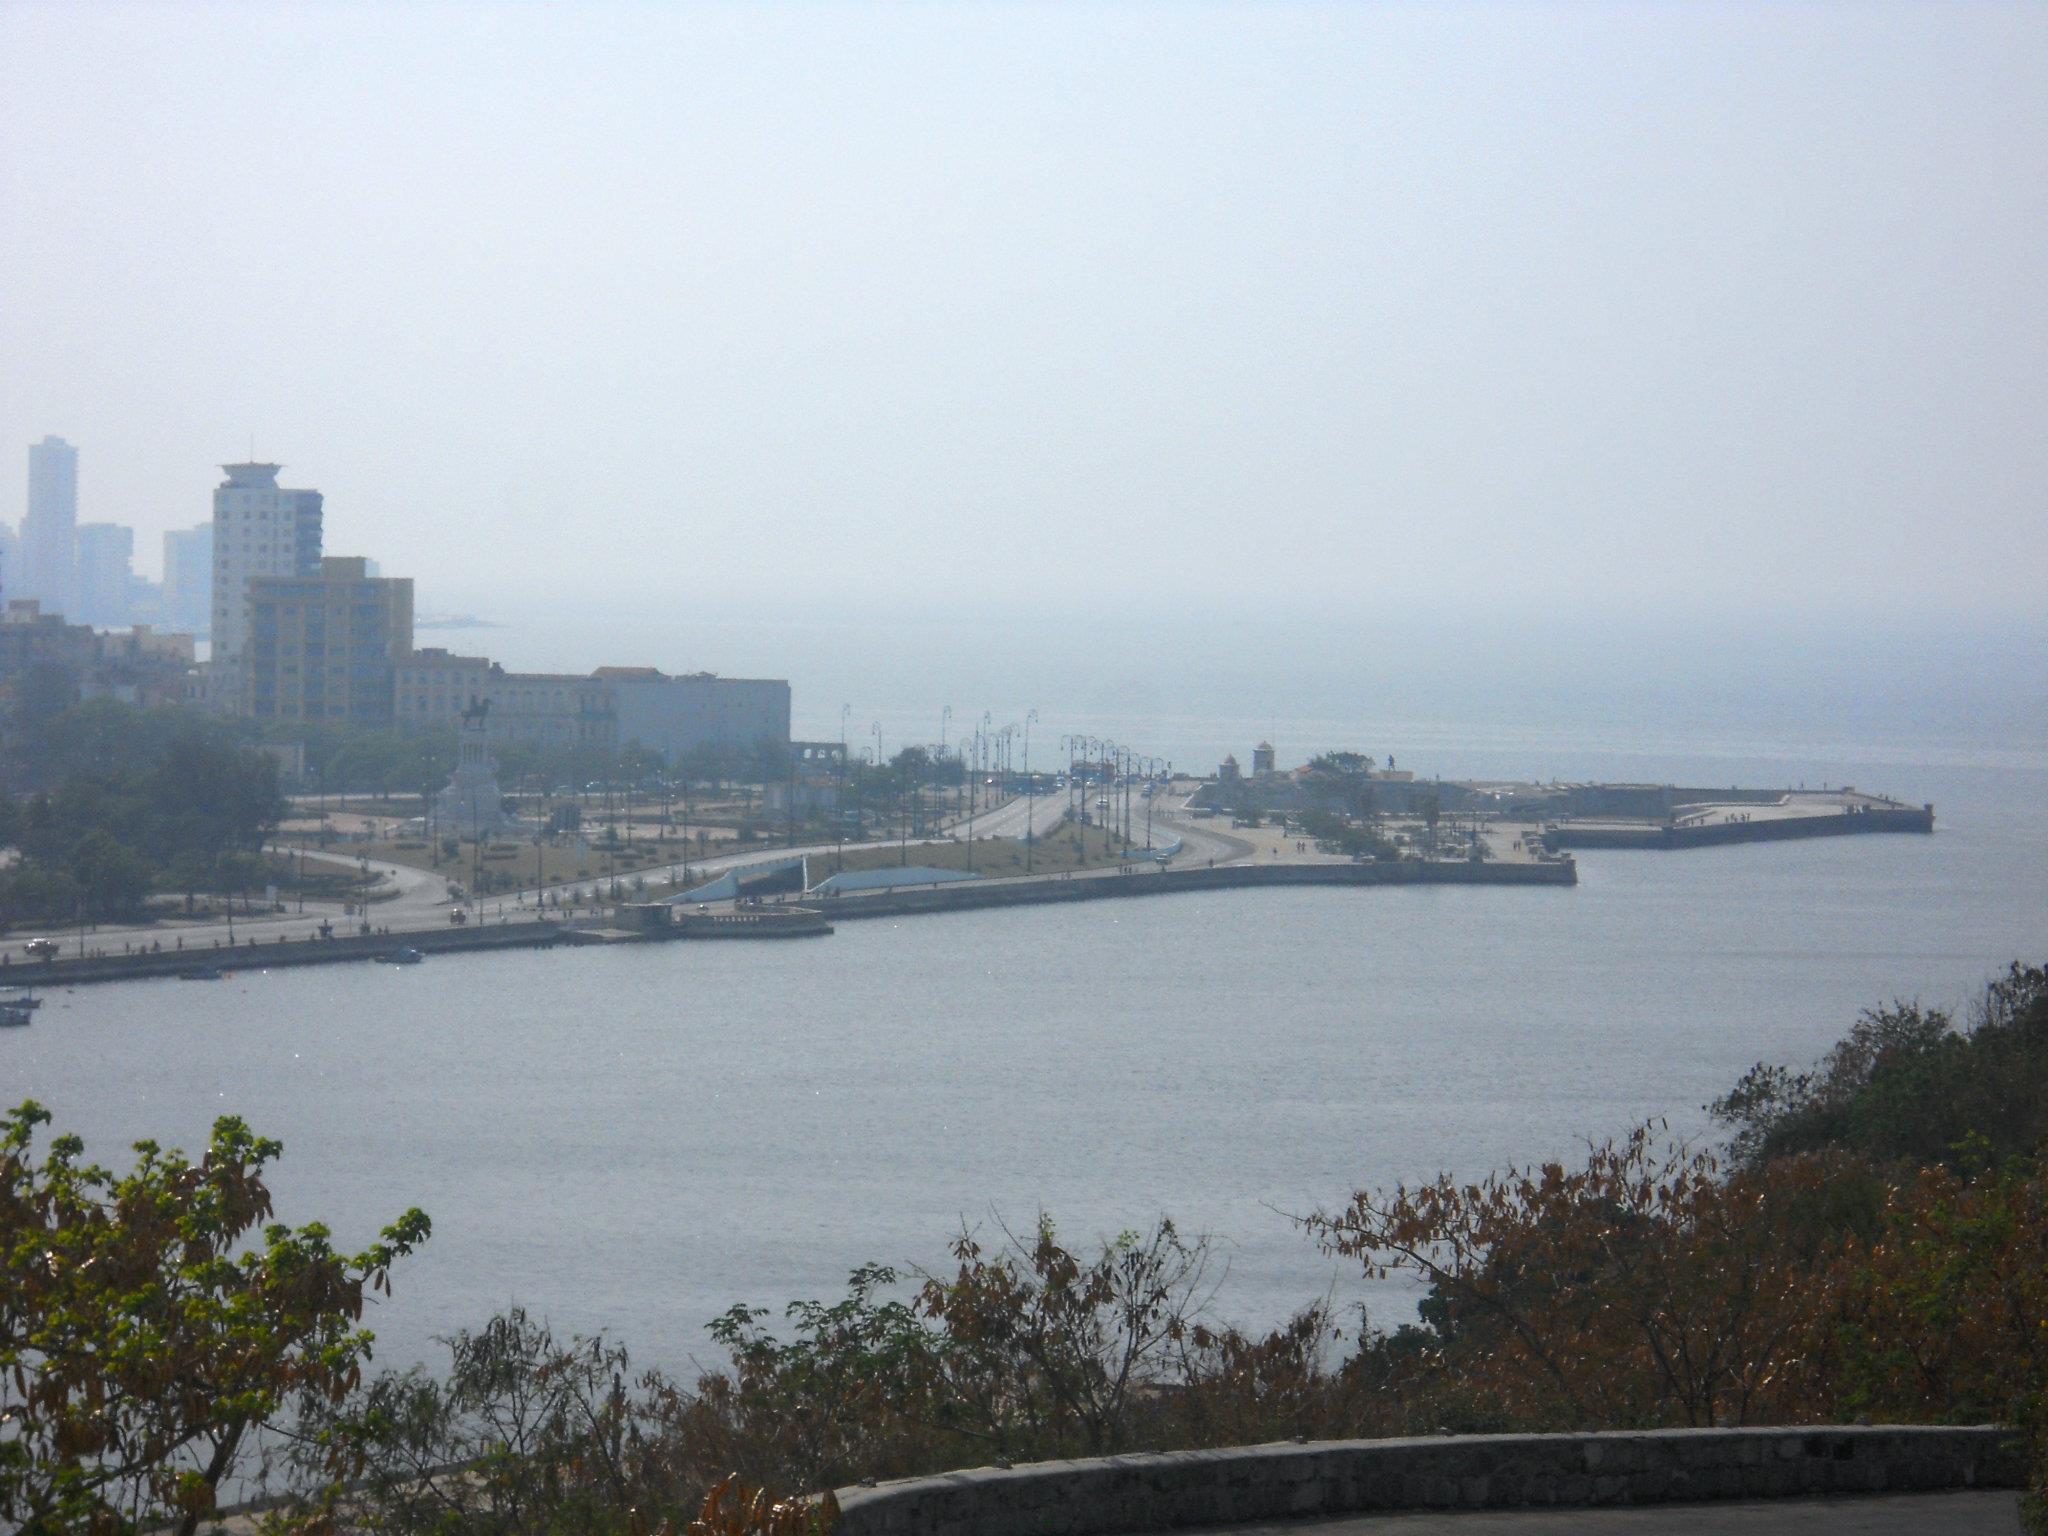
839, 792
686, 829
1077, 792
1129, 760
1030, 792
1151, 783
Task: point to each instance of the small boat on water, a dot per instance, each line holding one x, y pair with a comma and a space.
20, 997
200, 973
14, 1012
406, 956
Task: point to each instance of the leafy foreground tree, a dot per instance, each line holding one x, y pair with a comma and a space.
1907, 1084
1026, 1351
142, 1345
1653, 1287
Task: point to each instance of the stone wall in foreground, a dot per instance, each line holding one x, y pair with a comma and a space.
1264, 1482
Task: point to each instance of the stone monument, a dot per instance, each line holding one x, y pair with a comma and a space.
472, 805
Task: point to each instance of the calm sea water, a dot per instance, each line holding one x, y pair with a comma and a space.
638, 1139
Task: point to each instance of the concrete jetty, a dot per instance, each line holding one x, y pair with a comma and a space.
1718, 823
1113, 885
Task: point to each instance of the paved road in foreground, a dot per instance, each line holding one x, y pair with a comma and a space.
1974, 1513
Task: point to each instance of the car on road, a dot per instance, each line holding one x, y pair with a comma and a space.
42, 949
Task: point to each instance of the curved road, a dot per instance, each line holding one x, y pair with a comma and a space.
421, 902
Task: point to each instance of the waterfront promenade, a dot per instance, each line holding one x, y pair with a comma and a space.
810, 916
413, 902
1188, 851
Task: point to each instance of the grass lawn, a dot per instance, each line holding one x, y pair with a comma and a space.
993, 856
508, 863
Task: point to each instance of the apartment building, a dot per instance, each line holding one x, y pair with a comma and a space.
325, 646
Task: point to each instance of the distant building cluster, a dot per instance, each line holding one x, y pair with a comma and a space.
296, 634
85, 571
137, 665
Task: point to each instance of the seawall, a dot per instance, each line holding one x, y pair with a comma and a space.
1768, 829
257, 954
967, 896
264, 954
1276, 1482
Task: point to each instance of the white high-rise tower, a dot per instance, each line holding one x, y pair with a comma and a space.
258, 530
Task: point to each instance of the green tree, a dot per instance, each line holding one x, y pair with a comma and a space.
1348, 776
44, 692
209, 796
142, 1341
111, 879
1907, 1083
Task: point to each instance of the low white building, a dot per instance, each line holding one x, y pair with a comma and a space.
606, 710
675, 715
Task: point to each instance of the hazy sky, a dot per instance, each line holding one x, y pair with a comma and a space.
1656, 308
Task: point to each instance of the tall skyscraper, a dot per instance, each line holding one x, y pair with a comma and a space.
258, 530
49, 531
188, 579
106, 553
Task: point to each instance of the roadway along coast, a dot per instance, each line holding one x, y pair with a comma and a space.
413, 901
656, 921
416, 908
